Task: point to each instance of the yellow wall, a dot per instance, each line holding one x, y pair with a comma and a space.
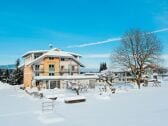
44, 67
46, 62
27, 76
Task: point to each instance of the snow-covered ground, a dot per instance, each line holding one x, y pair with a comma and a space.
128, 107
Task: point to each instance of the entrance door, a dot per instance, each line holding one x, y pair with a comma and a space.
54, 84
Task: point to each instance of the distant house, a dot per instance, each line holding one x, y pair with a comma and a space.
151, 71
115, 76
123, 76
52, 68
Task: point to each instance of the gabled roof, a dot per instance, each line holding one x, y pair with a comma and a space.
55, 53
36, 51
45, 51
75, 54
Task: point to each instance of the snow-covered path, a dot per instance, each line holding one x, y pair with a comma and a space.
145, 107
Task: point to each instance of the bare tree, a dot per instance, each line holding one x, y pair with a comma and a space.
137, 49
108, 77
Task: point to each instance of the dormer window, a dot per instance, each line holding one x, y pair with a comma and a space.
36, 57
51, 58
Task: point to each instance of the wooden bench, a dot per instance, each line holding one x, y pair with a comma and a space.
77, 99
51, 97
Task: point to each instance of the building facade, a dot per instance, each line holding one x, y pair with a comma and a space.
52, 68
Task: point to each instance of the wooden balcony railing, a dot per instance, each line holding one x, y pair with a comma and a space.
69, 70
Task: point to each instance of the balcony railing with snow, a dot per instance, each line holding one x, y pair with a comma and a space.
69, 70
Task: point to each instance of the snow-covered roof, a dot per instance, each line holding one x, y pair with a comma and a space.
44, 51
21, 66
35, 51
115, 70
55, 53
74, 77
75, 54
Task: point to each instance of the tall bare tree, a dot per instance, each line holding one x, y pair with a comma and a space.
137, 49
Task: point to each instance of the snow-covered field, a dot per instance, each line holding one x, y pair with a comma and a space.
128, 107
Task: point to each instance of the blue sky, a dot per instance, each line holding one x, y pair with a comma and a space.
34, 24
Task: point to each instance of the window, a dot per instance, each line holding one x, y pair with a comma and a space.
37, 83
62, 67
51, 66
128, 74
37, 67
73, 68
36, 56
62, 59
51, 58
51, 74
37, 74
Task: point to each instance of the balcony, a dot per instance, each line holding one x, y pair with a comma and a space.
51, 69
69, 70
39, 70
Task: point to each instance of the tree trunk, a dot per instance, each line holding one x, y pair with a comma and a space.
77, 91
139, 83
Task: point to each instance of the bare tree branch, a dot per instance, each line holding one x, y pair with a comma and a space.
137, 49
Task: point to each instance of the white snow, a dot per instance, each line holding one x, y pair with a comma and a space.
4, 86
74, 98
128, 107
50, 118
68, 77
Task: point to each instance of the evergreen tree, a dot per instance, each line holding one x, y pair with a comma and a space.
17, 63
18, 73
100, 69
103, 66
7, 75
1, 74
